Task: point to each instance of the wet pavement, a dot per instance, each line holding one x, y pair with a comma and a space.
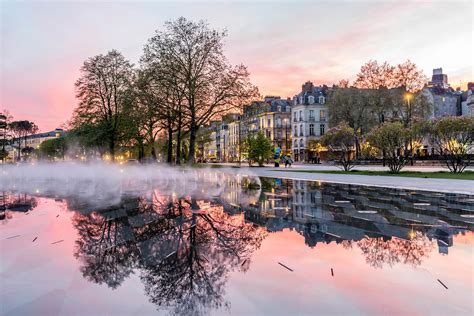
235, 245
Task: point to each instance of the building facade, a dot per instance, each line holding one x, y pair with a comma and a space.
34, 141
309, 117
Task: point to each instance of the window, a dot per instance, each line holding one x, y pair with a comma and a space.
321, 129
301, 115
301, 143
296, 143
311, 129
311, 99
294, 117
311, 115
278, 122
278, 108
288, 109
321, 100
322, 115
301, 130
296, 130
269, 122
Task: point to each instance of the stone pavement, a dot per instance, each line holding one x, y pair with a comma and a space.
439, 185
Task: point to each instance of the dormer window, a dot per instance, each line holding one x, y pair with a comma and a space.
322, 100
300, 100
311, 99
278, 108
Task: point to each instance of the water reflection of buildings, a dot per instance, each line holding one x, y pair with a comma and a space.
183, 247
334, 212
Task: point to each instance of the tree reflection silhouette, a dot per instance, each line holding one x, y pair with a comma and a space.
378, 251
106, 257
182, 248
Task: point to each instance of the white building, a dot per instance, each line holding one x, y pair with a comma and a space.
309, 117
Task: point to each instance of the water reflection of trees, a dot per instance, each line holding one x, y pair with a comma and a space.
15, 202
381, 251
184, 249
106, 257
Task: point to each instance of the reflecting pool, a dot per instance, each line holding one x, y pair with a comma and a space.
233, 244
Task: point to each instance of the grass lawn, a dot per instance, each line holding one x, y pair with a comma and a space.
466, 175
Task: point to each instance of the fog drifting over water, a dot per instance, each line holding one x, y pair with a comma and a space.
101, 184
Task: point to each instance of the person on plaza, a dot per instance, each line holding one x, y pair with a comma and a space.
288, 161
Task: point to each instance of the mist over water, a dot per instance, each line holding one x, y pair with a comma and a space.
101, 184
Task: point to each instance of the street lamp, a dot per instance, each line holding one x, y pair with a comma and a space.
285, 120
408, 97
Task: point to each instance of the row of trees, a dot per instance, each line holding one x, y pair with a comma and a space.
380, 93
386, 113
451, 137
14, 134
183, 82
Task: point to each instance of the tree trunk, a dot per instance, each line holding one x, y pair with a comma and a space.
192, 141
170, 145
153, 151
141, 151
112, 148
357, 148
178, 142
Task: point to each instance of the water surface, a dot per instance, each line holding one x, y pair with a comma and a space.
230, 244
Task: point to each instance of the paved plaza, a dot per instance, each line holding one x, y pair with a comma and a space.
429, 184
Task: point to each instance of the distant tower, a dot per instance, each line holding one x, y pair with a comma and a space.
439, 79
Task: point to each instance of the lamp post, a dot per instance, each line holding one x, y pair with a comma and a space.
408, 97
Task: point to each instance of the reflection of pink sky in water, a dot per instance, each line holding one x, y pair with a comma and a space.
356, 287
38, 277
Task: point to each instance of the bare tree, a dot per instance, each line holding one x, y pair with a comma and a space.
190, 54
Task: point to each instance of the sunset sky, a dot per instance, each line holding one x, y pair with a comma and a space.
284, 43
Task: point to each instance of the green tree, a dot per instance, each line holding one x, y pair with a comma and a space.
53, 148
394, 140
353, 107
5, 118
452, 138
88, 138
259, 148
102, 91
340, 142
20, 131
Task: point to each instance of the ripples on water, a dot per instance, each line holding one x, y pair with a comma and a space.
213, 242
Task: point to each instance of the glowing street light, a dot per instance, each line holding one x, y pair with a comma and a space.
408, 97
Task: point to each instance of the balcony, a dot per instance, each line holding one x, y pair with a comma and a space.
312, 119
